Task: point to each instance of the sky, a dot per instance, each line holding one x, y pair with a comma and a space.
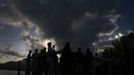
29, 24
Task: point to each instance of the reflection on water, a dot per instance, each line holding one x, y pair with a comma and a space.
9, 72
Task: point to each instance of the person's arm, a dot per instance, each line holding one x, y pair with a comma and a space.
59, 52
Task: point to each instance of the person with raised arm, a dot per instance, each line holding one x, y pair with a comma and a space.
28, 63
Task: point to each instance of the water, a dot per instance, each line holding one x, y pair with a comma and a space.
9, 72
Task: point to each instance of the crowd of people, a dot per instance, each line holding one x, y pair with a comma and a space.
46, 62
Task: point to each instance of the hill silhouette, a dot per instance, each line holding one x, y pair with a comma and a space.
12, 65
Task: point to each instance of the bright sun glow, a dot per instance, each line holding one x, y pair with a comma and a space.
44, 42
118, 35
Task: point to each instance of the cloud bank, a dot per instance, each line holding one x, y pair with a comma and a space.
9, 51
80, 22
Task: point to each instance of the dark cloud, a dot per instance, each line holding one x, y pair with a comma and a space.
77, 21
30, 41
9, 51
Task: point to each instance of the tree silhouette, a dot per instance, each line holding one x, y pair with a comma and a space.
123, 49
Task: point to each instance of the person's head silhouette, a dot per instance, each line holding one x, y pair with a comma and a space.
36, 50
49, 44
67, 45
30, 51
44, 49
88, 50
96, 54
79, 49
67, 48
29, 54
41, 51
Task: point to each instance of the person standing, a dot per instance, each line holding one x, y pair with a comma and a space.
66, 60
35, 63
42, 62
28, 63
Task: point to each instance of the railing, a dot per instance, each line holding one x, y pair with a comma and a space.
108, 61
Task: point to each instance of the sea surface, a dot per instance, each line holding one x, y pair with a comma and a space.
9, 72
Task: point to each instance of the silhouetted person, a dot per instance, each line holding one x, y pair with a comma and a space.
42, 62
50, 59
66, 60
88, 61
55, 60
79, 62
28, 63
35, 63
49, 47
